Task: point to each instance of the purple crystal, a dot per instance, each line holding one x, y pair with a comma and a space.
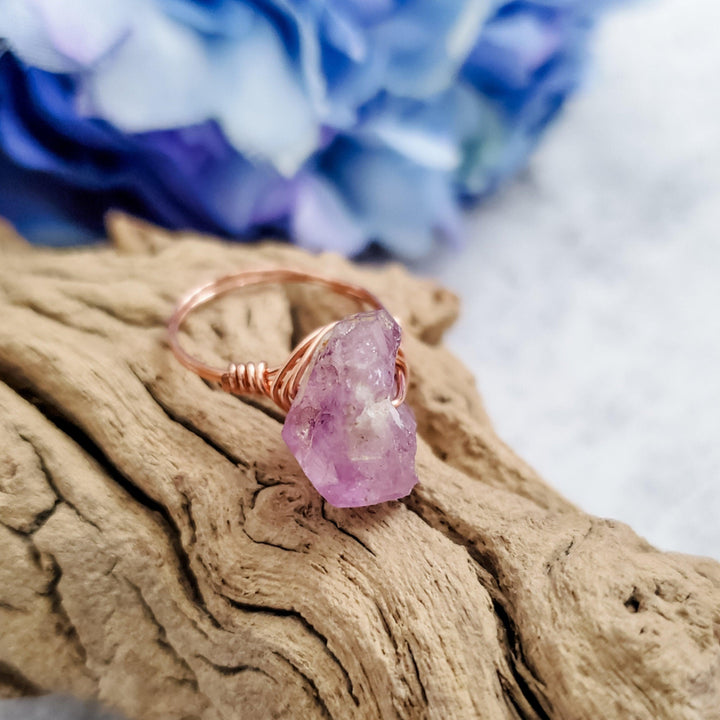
352, 443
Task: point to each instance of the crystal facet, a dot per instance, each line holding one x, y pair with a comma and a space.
352, 443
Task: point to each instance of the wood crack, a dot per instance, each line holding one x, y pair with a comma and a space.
12, 677
230, 670
162, 639
421, 685
66, 626
344, 531
309, 627
9, 607
524, 687
310, 684
158, 512
44, 516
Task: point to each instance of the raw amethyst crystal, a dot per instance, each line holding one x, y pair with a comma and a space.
352, 443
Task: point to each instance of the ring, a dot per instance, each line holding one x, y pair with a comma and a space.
343, 389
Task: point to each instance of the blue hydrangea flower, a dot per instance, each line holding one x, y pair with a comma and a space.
336, 122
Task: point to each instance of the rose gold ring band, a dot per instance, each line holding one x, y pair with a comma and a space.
279, 383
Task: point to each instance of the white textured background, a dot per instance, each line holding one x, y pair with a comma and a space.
591, 287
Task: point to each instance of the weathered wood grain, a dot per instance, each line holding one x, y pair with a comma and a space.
161, 550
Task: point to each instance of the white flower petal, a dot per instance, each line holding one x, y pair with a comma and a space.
345, 34
263, 110
23, 29
419, 145
463, 35
157, 77
308, 31
84, 30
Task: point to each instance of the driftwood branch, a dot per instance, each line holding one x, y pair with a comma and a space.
162, 552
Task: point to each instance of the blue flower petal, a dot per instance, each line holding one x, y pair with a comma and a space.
403, 206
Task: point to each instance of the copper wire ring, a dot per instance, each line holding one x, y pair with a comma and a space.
279, 383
